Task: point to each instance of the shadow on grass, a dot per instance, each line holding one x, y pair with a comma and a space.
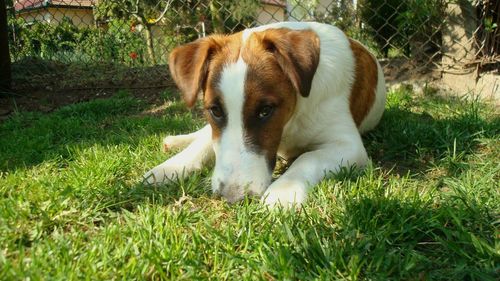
408, 142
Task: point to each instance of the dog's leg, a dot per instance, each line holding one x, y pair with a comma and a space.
181, 141
310, 168
191, 159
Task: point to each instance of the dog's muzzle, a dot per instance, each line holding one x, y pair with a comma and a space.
234, 193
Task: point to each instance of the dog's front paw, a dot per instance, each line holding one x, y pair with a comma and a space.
285, 193
161, 174
175, 142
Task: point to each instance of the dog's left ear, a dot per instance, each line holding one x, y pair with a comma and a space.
297, 53
189, 66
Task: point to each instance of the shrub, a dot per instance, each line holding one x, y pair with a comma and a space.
42, 39
409, 26
116, 43
67, 43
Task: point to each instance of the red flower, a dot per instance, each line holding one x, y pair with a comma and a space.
133, 55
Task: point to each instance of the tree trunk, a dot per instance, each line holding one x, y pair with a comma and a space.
5, 70
458, 48
149, 43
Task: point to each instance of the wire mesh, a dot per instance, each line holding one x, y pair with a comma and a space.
74, 35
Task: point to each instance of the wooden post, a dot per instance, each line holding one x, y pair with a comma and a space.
5, 70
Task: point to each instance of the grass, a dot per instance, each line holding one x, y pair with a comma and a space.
72, 207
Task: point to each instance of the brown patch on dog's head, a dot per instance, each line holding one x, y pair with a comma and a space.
365, 83
297, 53
281, 65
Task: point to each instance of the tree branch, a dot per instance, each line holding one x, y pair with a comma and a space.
169, 2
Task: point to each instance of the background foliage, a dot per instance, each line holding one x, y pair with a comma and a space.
151, 28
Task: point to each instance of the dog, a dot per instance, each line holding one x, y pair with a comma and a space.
297, 90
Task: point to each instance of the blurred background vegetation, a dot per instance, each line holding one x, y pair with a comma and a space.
142, 32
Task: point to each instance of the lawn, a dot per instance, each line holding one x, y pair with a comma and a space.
72, 205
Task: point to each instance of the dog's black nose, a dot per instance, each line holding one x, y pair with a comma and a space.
230, 193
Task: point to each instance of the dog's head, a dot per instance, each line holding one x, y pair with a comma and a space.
250, 85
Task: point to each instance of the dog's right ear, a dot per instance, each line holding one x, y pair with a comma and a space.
189, 66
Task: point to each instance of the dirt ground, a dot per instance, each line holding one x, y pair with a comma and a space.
47, 101
45, 86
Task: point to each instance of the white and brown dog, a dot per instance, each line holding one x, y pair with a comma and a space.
295, 89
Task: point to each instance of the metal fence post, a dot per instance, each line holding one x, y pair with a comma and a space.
5, 69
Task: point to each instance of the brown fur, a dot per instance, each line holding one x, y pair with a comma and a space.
190, 64
365, 81
297, 53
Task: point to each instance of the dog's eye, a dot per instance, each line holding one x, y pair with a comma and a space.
265, 112
216, 111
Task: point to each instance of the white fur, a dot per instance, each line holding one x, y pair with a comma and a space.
321, 131
180, 141
191, 159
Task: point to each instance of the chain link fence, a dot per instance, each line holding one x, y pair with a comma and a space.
74, 44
